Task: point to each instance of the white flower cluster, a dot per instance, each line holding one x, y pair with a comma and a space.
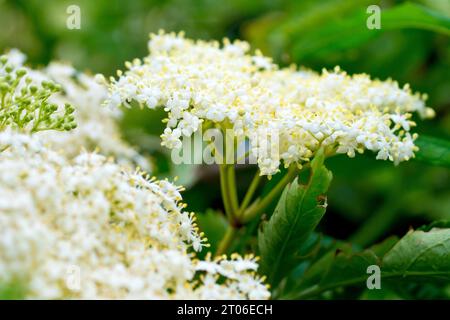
90, 228
206, 83
97, 127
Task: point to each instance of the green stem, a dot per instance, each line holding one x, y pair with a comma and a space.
249, 194
232, 190
226, 242
224, 191
260, 205
229, 191
231, 205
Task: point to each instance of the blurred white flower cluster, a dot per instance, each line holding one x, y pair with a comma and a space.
97, 127
127, 236
208, 84
81, 225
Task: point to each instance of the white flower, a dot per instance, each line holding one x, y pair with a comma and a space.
97, 128
127, 236
401, 120
225, 86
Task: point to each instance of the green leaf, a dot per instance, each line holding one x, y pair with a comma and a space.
312, 250
352, 31
418, 256
297, 214
276, 31
433, 150
442, 224
380, 249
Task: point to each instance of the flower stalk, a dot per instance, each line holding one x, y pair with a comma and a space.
240, 215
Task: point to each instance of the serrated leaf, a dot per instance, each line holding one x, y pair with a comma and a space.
420, 253
380, 249
433, 150
418, 256
441, 224
298, 212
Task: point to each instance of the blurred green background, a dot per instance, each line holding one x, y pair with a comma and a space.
368, 199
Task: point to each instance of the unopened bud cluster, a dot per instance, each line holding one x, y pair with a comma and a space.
25, 105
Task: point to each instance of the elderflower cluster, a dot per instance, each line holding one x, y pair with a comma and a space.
97, 126
90, 228
204, 84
